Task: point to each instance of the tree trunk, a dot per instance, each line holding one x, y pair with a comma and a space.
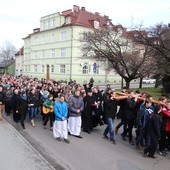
127, 84
140, 82
121, 82
156, 83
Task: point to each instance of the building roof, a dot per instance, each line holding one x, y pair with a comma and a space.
82, 17
6, 63
85, 18
20, 52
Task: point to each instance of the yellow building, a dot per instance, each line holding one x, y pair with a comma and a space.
56, 43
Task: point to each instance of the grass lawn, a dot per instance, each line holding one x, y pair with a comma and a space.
155, 92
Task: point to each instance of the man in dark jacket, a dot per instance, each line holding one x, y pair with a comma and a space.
111, 110
130, 104
153, 130
142, 121
76, 106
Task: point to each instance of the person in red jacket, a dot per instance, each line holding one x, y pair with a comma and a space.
165, 130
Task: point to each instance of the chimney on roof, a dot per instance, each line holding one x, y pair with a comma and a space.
83, 8
76, 8
36, 30
97, 13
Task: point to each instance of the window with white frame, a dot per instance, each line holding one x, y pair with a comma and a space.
44, 25
35, 54
63, 52
120, 30
63, 35
35, 68
35, 40
43, 39
85, 69
53, 37
52, 68
53, 53
54, 23
62, 68
68, 20
96, 24
43, 68
49, 24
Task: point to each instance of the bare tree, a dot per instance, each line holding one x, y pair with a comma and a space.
129, 59
7, 51
158, 39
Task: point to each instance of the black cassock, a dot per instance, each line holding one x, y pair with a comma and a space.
87, 113
97, 110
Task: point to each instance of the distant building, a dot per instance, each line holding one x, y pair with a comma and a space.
7, 67
56, 43
19, 59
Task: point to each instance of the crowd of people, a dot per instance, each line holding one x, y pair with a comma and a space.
70, 108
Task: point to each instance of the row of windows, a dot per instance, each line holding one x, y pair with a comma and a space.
49, 24
42, 40
85, 69
44, 53
35, 67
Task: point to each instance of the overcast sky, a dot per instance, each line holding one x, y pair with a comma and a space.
18, 17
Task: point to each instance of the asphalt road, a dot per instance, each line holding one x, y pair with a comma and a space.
93, 152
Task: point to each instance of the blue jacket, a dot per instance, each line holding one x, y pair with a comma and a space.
143, 116
60, 110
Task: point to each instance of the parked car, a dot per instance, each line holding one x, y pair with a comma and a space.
148, 81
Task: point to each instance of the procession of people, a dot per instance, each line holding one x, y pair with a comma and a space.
71, 108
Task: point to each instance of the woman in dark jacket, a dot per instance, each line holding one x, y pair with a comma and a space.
153, 132
22, 107
33, 102
111, 110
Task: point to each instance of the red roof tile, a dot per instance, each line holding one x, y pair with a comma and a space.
85, 18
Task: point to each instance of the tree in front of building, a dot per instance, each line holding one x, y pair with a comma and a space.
129, 59
158, 39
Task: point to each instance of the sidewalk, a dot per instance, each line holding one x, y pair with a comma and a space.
16, 153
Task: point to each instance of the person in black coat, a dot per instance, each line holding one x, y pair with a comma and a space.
14, 101
111, 110
129, 109
22, 107
8, 106
97, 108
153, 131
87, 112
